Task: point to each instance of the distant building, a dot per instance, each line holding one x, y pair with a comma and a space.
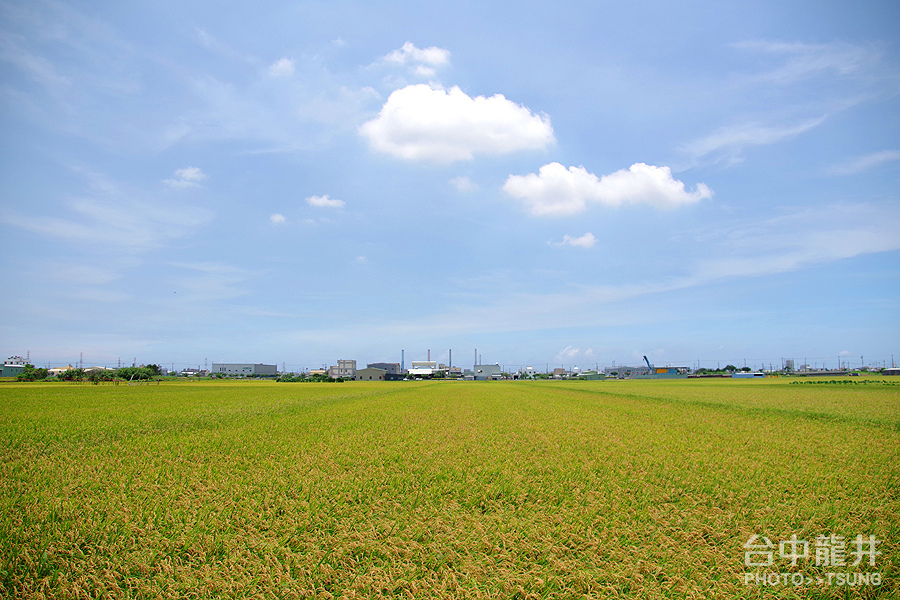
90, 370
389, 368
423, 368
592, 375
891, 371
487, 372
345, 369
12, 366
244, 369
645, 372
622, 371
371, 374
789, 364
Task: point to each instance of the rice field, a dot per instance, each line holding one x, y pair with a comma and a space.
557, 489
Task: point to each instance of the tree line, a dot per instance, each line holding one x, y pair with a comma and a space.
31, 373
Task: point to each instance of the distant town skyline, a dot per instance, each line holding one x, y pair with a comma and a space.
565, 183
792, 363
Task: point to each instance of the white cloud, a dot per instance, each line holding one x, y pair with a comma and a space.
464, 184
420, 122
556, 190
585, 241
283, 67
277, 218
325, 202
864, 163
187, 177
728, 143
434, 56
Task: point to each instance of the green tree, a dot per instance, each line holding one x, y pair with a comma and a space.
72, 375
99, 375
29, 373
134, 373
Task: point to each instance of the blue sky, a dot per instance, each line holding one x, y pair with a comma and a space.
565, 183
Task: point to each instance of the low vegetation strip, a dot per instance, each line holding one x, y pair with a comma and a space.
641, 489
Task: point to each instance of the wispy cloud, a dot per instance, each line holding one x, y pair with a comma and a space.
36, 67
584, 241
209, 281
187, 177
283, 67
464, 184
789, 243
864, 163
115, 218
729, 143
802, 61
217, 46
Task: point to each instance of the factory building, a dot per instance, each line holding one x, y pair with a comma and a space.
487, 372
370, 374
423, 368
389, 368
345, 369
244, 369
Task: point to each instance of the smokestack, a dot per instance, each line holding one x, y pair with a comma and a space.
476, 358
429, 355
402, 360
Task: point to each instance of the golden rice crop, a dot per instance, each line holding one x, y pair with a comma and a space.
645, 489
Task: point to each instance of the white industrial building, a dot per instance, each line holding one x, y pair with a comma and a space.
244, 369
422, 368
